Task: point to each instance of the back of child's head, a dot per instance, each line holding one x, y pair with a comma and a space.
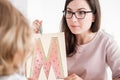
15, 38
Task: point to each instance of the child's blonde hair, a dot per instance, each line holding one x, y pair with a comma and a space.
15, 38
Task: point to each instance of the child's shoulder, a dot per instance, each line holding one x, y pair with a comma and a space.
13, 77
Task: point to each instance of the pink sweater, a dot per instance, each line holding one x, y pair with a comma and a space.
91, 60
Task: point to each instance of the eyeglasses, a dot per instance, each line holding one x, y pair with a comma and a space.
78, 14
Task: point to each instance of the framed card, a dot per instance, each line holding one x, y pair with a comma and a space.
48, 62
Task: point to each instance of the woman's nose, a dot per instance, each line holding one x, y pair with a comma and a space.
74, 19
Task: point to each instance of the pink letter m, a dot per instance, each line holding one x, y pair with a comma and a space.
53, 58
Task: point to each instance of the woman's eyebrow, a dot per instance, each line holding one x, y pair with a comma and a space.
77, 9
69, 8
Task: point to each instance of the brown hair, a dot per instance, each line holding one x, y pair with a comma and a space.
70, 38
15, 38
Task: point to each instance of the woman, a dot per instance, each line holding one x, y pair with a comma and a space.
89, 50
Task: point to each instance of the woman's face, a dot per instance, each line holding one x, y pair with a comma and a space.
79, 26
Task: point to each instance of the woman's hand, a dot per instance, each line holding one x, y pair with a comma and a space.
30, 79
73, 77
37, 26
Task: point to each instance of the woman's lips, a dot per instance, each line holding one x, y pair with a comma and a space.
74, 26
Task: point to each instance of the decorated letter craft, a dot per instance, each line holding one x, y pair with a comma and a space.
49, 59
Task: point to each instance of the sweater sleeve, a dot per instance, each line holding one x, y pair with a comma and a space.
113, 57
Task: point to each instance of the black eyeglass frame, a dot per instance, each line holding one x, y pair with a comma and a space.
74, 13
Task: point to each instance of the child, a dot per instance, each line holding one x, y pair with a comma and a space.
15, 42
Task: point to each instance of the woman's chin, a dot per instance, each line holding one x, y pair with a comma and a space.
76, 32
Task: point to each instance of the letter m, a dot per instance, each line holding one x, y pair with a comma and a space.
53, 58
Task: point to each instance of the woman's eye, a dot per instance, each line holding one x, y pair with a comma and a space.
81, 12
69, 12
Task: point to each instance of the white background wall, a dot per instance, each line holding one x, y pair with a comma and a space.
50, 11
111, 17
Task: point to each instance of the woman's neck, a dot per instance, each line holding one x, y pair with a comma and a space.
84, 38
